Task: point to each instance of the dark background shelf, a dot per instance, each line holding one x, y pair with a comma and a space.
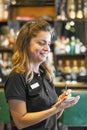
33, 3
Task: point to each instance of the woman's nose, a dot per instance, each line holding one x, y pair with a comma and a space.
46, 47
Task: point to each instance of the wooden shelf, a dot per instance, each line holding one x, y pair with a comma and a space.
71, 56
33, 3
70, 85
3, 49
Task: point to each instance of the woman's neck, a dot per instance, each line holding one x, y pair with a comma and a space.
35, 68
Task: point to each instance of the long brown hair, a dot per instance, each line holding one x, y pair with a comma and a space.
21, 57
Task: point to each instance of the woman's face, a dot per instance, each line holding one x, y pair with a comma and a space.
40, 47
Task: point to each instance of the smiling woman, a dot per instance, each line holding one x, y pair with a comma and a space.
40, 47
29, 90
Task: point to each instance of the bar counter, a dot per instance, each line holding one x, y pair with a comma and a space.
75, 117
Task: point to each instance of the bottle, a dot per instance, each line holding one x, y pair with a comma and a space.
79, 13
67, 47
61, 7
6, 11
83, 48
67, 71
1, 10
60, 71
62, 45
78, 46
75, 71
72, 45
12, 37
82, 69
60, 67
85, 9
71, 9
5, 63
57, 45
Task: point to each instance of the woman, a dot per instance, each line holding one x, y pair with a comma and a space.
31, 96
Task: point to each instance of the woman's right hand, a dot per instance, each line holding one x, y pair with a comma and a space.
61, 105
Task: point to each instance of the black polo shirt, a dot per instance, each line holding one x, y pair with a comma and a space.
39, 94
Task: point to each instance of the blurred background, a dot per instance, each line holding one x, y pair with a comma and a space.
68, 56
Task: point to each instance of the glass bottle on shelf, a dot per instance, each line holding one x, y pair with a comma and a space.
79, 13
5, 63
83, 48
82, 69
4, 38
71, 9
62, 45
57, 46
60, 71
72, 47
67, 47
67, 71
75, 71
1, 10
60, 67
61, 14
85, 9
78, 46
6, 11
12, 37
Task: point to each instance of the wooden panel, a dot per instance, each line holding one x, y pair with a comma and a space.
32, 11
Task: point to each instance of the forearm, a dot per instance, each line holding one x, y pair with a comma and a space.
30, 119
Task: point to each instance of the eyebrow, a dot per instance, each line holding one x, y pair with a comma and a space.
43, 40
47, 41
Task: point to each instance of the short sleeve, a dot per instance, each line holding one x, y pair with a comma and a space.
15, 87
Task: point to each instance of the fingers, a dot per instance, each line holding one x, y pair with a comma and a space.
68, 91
65, 94
70, 103
61, 103
77, 99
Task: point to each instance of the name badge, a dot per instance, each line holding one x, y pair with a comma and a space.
35, 85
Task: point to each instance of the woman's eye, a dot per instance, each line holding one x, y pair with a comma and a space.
41, 43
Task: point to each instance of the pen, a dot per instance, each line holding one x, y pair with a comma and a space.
66, 89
